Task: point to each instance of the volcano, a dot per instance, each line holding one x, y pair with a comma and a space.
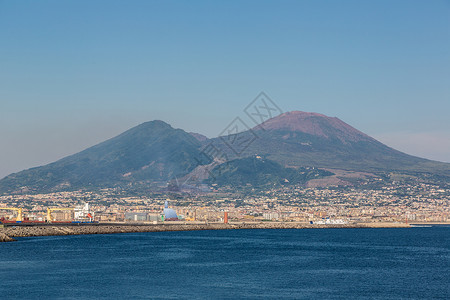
156, 152
310, 139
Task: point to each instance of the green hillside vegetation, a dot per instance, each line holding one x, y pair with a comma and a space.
258, 172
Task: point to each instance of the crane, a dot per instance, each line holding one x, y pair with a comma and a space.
50, 210
19, 217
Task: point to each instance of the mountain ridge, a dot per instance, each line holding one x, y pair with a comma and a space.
154, 151
150, 151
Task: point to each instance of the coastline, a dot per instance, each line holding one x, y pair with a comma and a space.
8, 234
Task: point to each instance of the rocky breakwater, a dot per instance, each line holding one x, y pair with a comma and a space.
8, 233
48, 230
5, 238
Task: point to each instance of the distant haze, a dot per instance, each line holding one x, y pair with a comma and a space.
75, 73
431, 145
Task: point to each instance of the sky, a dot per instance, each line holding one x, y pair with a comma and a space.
75, 73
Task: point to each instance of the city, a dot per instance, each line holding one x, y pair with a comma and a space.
397, 202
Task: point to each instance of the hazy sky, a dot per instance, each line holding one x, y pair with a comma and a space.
74, 73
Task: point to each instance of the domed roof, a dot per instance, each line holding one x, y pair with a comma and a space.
168, 212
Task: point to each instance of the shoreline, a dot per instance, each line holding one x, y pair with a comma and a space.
7, 234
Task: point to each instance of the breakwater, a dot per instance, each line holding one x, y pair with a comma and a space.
8, 233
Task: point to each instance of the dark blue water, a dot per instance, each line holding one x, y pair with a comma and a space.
237, 264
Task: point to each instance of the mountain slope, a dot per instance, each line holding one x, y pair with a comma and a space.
258, 171
152, 151
310, 139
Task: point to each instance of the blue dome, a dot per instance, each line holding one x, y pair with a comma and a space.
170, 214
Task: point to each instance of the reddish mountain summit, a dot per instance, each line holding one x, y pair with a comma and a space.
315, 124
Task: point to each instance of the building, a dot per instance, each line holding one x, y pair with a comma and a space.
169, 213
135, 216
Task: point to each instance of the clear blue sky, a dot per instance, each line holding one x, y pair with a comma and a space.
74, 73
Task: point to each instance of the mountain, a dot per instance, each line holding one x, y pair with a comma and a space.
310, 139
155, 153
152, 151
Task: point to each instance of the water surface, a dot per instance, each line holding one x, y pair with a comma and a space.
232, 264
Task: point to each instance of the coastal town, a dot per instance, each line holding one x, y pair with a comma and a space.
397, 202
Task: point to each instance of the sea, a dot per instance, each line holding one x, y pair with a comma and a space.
394, 263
